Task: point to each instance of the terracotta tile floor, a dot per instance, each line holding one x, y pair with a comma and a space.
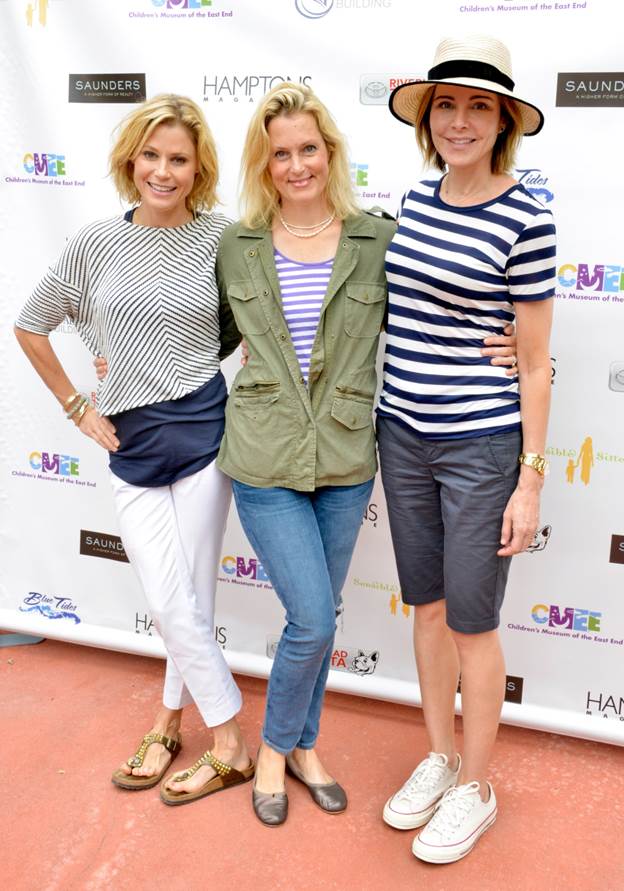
70, 714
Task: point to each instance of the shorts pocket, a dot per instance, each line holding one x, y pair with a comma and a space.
505, 449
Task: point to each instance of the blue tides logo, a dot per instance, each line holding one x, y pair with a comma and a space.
313, 9
50, 607
536, 182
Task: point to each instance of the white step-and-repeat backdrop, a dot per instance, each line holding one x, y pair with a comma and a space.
71, 68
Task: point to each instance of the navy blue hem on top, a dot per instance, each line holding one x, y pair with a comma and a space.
167, 441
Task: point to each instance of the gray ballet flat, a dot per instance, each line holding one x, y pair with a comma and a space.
330, 797
271, 808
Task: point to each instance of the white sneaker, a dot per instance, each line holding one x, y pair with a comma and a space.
459, 820
416, 800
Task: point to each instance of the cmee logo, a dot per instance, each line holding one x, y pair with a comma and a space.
608, 278
359, 174
568, 617
44, 164
313, 9
240, 568
61, 465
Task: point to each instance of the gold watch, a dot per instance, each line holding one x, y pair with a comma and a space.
537, 462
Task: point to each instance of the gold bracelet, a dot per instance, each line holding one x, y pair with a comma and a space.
76, 406
77, 418
70, 400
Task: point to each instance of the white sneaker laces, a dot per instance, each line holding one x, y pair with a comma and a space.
454, 807
426, 776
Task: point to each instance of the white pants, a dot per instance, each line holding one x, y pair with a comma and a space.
173, 537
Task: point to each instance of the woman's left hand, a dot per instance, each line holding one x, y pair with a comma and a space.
502, 348
520, 519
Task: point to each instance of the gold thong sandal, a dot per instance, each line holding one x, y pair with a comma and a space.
226, 776
131, 781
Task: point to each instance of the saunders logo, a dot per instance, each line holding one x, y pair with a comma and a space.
106, 88
99, 544
595, 89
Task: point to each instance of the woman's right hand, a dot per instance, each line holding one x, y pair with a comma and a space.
99, 429
101, 367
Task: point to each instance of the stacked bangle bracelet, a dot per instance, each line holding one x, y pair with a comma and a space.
75, 406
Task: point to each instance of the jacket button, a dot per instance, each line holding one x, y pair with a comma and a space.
302, 380
265, 292
252, 253
282, 337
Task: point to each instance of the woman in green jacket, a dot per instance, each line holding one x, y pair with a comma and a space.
304, 275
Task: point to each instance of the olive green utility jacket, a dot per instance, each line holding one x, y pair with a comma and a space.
278, 432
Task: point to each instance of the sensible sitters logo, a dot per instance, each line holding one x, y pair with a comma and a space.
101, 544
106, 88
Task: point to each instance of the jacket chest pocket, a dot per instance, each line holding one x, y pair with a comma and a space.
247, 308
364, 308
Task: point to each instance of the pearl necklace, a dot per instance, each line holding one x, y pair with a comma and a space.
318, 227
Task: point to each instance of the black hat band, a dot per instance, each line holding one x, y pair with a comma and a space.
470, 68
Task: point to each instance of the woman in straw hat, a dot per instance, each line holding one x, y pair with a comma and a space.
462, 453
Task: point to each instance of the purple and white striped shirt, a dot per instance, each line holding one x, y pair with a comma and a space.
303, 287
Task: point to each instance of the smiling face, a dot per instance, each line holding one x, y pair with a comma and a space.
164, 174
299, 161
465, 123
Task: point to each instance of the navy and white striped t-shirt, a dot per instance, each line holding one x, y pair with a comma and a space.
303, 287
454, 274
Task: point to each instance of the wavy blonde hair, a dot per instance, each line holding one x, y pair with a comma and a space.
506, 145
134, 131
259, 197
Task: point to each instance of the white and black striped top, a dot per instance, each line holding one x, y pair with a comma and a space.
145, 298
454, 274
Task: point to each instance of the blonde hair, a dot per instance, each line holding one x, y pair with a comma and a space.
506, 145
260, 198
135, 130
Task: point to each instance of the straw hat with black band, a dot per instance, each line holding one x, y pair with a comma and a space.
477, 61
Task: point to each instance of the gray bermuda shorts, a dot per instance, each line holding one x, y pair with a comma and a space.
446, 500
